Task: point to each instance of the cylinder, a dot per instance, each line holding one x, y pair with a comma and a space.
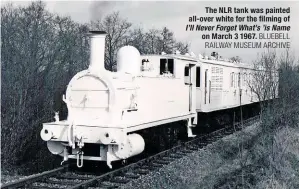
134, 145
97, 50
55, 147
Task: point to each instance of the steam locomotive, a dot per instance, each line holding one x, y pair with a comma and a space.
107, 109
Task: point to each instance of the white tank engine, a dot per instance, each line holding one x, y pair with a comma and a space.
106, 108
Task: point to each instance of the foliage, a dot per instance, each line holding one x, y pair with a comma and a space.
273, 151
37, 59
236, 59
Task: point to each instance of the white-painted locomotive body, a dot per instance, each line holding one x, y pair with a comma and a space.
108, 107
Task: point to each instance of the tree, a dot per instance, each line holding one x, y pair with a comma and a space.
39, 53
263, 79
151, 41
166, 41
288, 78
117, 29
182, 47
236, 59
137, 38
156, 41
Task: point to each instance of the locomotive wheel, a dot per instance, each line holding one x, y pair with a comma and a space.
175, 135
169, 135
162, 138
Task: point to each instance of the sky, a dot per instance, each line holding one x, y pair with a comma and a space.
174, 15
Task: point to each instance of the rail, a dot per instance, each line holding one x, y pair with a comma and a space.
61, 178
33, 178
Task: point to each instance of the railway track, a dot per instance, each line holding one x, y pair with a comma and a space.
63, 178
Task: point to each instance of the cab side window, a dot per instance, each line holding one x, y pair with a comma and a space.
186, 71
187, 74
197, 76
166, 66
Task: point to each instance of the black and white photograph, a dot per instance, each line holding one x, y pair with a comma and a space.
150, 94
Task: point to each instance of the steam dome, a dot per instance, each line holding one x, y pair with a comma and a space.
128, 60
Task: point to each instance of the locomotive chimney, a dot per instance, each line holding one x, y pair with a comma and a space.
97, 50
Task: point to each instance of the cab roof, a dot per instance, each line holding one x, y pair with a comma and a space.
196, 59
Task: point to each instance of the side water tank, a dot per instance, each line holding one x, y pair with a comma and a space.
128, 60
